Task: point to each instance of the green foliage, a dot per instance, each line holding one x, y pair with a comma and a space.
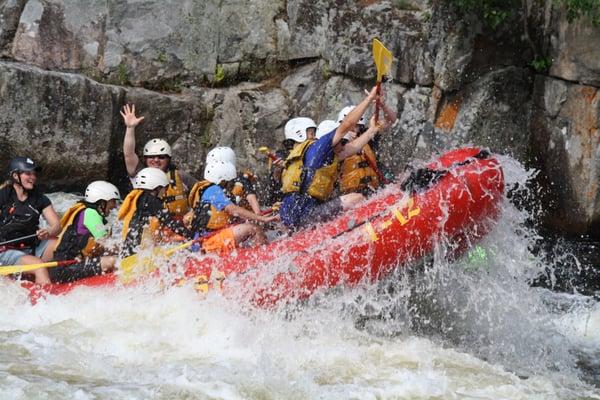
405, 5
325, 71
493, 12
541, 64
162, 57
122, 75
582, 8
219, 74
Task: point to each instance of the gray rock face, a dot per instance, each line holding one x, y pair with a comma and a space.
154, 42
575, 52
64, 121
245, 118
452, 85
10, 12
495, 113
60, 35
566, 143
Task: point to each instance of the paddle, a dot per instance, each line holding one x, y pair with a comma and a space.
15, 269
383, 61
18, 239
274, 157
130, 264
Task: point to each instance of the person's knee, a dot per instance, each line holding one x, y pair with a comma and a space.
27, 259
107, 263
351, 199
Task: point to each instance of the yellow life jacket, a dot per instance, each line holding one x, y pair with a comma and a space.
196, 192
208, 217
292, 176
67, 220
175, 198
128, 209
357, 172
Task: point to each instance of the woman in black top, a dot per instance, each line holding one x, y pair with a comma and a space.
21, 205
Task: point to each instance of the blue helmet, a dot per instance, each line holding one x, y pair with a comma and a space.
22, 164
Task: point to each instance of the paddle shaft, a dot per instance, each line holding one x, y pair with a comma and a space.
15, 269
18, 239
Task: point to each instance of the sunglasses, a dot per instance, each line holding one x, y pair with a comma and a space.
160, 157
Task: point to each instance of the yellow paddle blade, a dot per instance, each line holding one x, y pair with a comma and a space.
15, 269
264, 149
383, 59
138, 265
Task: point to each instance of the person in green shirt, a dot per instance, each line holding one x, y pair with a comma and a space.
83, 225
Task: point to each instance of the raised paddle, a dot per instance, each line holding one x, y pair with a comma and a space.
15, 269
383, 61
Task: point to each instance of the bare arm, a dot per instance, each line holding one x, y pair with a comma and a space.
357, 144
53, 221
131, 121
238, 211
253, 201
352, 118
390, 115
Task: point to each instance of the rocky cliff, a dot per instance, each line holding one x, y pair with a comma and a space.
231, 72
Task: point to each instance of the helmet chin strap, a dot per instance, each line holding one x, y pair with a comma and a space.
18, 181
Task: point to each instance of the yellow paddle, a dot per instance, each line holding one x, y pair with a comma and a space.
269, 153
137, 264
15, 269
383, 61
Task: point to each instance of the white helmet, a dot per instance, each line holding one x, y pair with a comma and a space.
306, 123
295, 128
344, 113
150, 178
325, 127
222, 153
101, 190
157, 147
218, 171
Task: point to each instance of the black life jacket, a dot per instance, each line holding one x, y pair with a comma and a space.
18, 219
72, 244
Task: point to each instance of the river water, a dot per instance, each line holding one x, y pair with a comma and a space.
469, 329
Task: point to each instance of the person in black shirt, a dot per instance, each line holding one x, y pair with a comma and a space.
143, 210
21, 205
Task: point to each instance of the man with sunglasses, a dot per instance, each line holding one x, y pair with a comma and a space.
360, 173
157, 154
21, 206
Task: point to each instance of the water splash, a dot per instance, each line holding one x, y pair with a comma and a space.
442, 329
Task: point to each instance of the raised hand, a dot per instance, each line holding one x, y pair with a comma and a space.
128, 114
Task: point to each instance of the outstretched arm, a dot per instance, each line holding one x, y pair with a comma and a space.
238, 211
357, 144
131, 121
352, 118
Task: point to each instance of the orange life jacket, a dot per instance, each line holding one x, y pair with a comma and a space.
357, 172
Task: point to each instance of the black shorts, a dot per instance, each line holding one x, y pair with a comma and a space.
70, 273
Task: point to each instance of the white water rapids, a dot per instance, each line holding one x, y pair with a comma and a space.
459, 330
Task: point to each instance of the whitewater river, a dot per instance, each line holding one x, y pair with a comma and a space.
471, 329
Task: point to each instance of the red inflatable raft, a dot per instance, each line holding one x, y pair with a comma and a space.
455, 199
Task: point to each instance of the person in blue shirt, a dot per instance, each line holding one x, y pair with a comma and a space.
216, 213
311, 171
